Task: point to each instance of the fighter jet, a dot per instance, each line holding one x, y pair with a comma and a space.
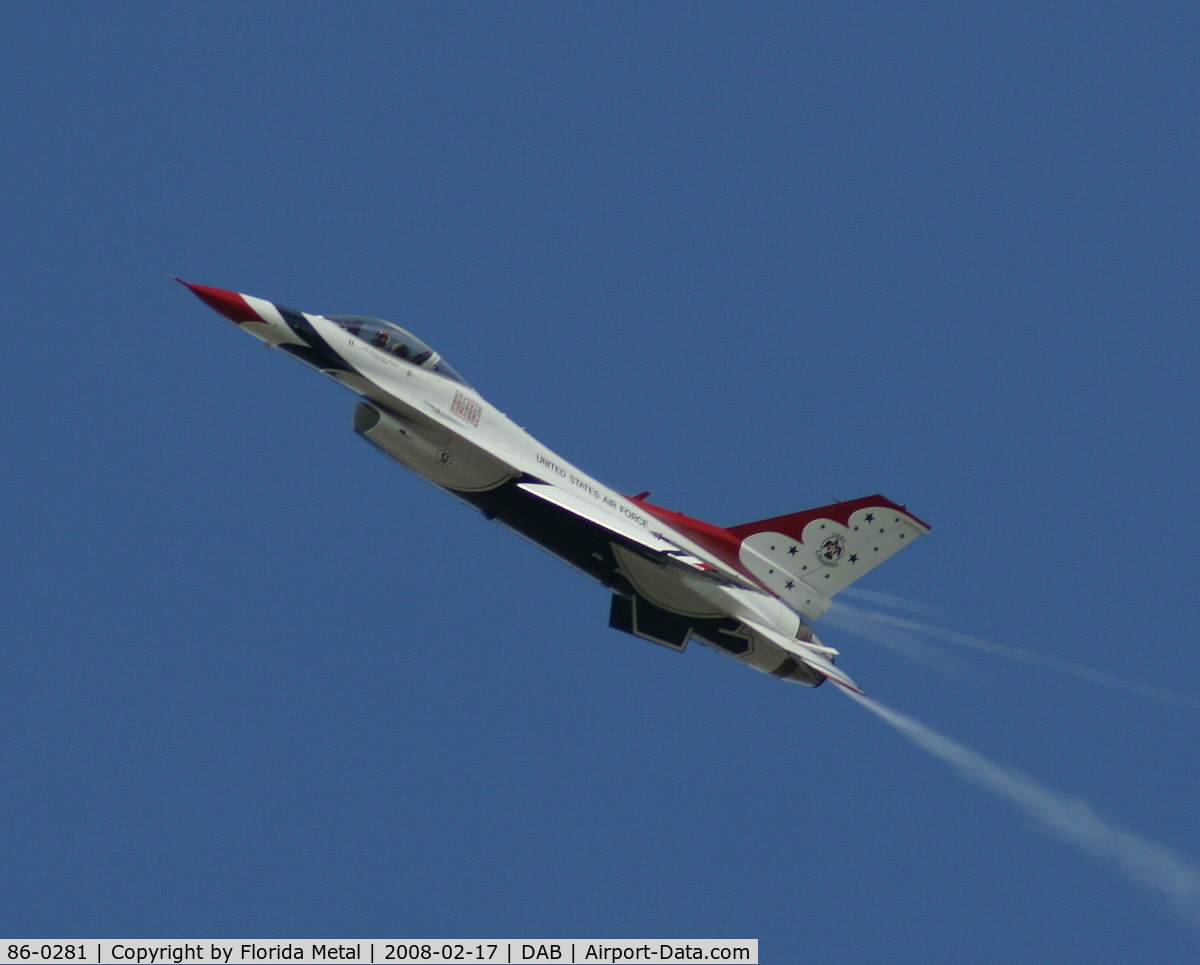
749, 591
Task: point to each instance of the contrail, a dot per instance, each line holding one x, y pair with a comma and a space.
896, 602
1070, 819
866, 623
860, 621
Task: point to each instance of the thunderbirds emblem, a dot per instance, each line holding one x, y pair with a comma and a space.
831, 550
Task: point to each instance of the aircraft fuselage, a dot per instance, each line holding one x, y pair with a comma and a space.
674, 579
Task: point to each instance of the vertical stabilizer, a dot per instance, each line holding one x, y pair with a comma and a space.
809, 556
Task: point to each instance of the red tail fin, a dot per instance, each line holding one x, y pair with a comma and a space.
793, 524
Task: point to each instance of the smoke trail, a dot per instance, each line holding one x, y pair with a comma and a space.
896, 602
1072, 820
890, 631
867, 624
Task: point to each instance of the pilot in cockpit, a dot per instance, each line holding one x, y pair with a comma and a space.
396, 342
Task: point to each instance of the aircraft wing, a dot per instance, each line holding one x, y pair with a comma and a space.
650, 538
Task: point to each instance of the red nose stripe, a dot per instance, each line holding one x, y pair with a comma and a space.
229, 304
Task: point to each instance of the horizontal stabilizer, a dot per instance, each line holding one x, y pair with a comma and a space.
807, 654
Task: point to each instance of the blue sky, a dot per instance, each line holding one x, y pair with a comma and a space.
258, 681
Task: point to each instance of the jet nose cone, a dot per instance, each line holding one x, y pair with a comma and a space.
230, 304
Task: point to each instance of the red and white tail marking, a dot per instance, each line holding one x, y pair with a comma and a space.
809, 556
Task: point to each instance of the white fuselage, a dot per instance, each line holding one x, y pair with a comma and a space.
446, 432
673, 578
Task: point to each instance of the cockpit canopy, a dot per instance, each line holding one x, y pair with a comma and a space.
396, 341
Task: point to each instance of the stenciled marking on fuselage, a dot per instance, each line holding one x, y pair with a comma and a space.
592, 491
636, 517
552, 466
466, 408
586, 486
373, 353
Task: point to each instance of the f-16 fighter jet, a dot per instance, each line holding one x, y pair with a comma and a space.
748, 591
